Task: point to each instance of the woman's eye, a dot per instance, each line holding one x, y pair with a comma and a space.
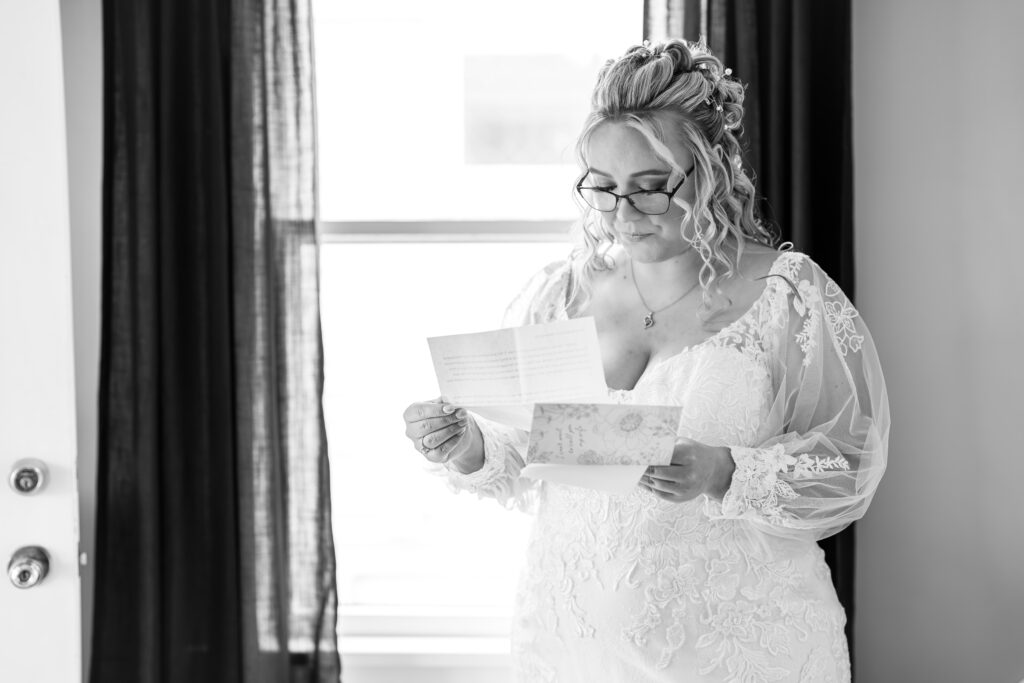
611, 188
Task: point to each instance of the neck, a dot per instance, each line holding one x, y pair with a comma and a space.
673, 274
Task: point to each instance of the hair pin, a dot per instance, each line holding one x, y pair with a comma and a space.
717, 104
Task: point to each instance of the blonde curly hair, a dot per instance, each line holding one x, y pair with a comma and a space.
679, 89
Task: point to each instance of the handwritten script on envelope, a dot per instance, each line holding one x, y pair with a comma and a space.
500, 374
599, 446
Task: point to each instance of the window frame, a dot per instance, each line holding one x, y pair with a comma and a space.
444, 231
378, 637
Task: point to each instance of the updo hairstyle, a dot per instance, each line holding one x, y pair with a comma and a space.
677, 89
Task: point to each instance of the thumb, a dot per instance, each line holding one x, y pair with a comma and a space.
681, 451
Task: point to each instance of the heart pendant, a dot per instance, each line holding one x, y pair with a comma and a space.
649, 320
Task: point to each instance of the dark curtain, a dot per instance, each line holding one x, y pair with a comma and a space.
794, 57
214, 556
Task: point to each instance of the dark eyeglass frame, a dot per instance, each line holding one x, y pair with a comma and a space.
628, 196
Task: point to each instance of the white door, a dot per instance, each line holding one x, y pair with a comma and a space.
40, 626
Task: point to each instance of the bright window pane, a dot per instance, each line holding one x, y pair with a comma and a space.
402, 537
458, 109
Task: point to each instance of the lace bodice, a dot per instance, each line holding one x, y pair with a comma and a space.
721, 590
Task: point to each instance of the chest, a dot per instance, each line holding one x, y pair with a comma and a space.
629, 347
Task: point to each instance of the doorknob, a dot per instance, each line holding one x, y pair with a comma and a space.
29, 566
28, 476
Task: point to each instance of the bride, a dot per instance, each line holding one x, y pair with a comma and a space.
708, 570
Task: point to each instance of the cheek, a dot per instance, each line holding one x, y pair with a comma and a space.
671, 222
607, 221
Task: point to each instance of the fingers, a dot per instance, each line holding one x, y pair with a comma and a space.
424, 417
449, 447
423, 410
669, 489
421, 428
436, 439
444, 450
669, 473
660, 485
664, 495
691, 474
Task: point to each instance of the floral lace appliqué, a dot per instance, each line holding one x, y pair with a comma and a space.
808, 307
756, 486
840, 314
808, 465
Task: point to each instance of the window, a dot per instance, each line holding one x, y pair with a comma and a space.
455, 109
409, 541
446, 133
414, 559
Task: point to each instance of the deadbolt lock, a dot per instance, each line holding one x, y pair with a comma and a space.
28, 476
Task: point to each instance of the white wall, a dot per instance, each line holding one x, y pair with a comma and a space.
939, 154
81, 26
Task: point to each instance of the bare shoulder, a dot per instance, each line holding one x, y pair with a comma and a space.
756, 261
748, 281
750, 271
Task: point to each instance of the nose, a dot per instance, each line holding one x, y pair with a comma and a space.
626, 213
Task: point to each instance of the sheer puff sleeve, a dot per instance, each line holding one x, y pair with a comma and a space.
541, 300
822, 450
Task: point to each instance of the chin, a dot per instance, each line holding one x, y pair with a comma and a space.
645, 253
651, 250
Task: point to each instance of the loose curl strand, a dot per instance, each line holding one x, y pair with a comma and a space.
677, 90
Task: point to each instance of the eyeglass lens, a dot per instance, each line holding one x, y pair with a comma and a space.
645, 202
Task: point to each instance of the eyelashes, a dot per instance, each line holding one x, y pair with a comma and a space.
611, 188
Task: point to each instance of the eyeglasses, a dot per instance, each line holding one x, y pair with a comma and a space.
650, 202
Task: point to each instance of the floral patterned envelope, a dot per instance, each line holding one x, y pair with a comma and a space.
599, 446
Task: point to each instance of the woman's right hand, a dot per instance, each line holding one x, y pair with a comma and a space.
442, 431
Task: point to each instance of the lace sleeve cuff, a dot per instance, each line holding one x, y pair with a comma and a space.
499, 476
760, 484
756, 489
494, 460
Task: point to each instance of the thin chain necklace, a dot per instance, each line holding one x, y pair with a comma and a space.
649, 317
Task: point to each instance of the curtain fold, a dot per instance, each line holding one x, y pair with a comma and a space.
214, 557
794, 56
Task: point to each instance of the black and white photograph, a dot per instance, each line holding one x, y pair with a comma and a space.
477, 341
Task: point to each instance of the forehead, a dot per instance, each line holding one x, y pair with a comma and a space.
619, 148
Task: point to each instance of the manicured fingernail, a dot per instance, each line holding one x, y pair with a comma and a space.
461, 414
448, 410
462, 422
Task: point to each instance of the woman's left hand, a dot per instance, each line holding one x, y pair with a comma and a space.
696, 468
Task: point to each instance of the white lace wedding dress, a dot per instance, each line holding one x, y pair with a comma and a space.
633, 588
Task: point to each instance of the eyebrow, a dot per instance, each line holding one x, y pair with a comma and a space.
653, 171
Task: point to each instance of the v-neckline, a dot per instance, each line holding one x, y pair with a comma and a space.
651, 367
